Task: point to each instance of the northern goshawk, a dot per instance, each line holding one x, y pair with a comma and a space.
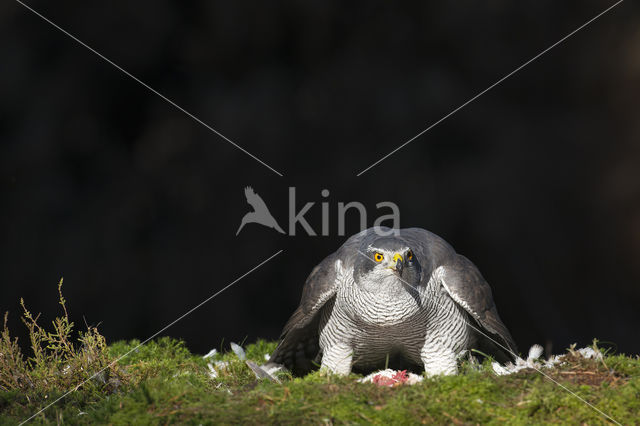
402, 298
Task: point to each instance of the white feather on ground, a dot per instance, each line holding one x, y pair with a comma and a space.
237, 349
391, 377
590, 353
212, 353
216, 367
213, 373
533, 362
261, 373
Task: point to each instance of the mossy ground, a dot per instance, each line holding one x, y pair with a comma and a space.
161, 382
168, 384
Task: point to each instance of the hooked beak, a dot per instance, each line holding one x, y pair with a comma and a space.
398, 264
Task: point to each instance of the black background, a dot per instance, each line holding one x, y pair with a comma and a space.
137, 205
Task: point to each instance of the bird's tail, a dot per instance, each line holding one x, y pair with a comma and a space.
244, 222
277, 227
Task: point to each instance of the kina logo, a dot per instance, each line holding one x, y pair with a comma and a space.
260, 213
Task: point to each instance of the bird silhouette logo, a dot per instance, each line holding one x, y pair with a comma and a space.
260, 213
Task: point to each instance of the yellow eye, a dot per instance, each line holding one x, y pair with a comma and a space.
378, 257
409, 255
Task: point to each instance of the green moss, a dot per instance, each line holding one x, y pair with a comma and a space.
171, 385
161, 382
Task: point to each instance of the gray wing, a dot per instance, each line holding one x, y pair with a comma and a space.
254, 200
466, 286
299, 347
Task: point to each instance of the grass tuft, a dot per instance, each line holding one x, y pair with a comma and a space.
58, 362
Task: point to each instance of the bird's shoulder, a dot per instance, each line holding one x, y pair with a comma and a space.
324, 280
467, 287
464, 282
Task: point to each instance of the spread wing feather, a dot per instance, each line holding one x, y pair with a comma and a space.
466, 286
298, 345
298, 348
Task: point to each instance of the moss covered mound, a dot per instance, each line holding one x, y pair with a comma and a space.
162, 382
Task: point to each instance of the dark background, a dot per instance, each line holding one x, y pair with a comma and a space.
137, 205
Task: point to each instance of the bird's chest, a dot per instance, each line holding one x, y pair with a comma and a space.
390, 311
382, 324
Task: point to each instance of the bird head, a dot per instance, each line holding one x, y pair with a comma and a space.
387, 259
